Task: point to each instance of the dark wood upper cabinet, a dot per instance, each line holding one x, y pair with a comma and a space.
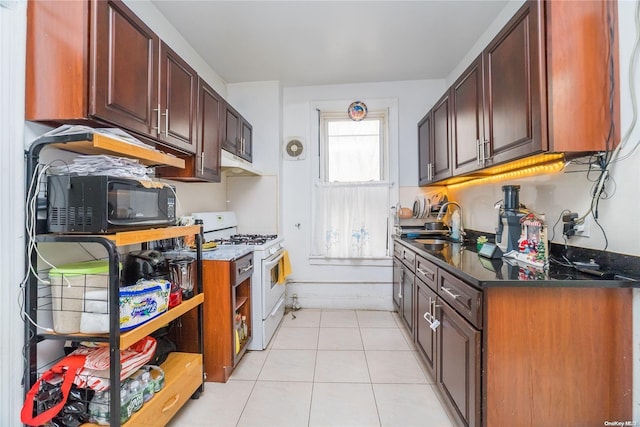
425, 154
238, 134
97, 63
205, 164
209, 132
178, 93
434, 140
124, 68
441, 114
513, 95
468, 120
545, 83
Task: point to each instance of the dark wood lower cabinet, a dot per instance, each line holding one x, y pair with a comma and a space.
458, 356
425, 335
408, 279
520, 356
397, 284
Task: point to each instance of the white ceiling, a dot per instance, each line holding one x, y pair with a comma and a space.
331, 42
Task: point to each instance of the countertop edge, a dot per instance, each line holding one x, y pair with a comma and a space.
551, 283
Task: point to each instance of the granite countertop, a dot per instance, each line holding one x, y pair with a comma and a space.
464, 262
220, 253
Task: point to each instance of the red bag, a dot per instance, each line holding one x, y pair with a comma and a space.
95, 372
67, 368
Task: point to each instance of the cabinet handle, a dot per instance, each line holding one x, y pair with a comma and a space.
166, 122
486, 150
448, 291
478, 151
428, 317
247, 268
202, 163
424, 273
157, 110
171, 403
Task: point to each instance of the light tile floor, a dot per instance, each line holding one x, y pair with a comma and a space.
325, 368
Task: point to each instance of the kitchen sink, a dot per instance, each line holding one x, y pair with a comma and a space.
433, 241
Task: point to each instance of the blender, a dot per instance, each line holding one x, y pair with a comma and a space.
511, 211
183, 275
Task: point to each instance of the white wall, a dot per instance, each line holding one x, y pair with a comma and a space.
333, 286
12, 53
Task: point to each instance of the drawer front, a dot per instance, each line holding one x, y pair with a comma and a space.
427, 272
397, 250
409, 258
243, 268
183, 376
465, 299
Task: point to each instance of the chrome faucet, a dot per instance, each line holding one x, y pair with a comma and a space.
443, 210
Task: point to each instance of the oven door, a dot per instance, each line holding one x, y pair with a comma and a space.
272, 291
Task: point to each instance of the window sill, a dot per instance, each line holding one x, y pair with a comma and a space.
352, 262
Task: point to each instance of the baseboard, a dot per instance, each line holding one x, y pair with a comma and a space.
355, 296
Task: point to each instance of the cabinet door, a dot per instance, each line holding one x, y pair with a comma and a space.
178, 92
425, 336
467, 121
209, 133
441, 138
231, 140
458, 364
425, 155
246, 141
397, 284
513, 88
408, 298
124, 60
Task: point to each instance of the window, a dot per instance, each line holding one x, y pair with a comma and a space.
352, 194
354, 150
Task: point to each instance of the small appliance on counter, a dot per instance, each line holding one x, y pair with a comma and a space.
183, 274
509, 215
144, 264
106, 204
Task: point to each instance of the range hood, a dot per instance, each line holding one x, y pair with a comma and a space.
236, 166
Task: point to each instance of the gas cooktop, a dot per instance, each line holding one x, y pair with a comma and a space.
247, 239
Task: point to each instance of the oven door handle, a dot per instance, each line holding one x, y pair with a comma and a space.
275, 309
276, 260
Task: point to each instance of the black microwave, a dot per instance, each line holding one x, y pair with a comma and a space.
105, 204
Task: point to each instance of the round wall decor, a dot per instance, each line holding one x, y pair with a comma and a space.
357, 111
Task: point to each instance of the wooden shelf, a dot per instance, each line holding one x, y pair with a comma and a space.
240, 302
101, 144
183, 376
140, 236
131, 337
125, 238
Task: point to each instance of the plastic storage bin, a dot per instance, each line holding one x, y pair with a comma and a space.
69, 284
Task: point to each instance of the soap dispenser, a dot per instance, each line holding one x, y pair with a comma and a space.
455, 225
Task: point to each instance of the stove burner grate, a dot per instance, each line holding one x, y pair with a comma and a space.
247, 239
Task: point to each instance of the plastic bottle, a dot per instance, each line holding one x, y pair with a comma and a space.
99, 408
125, 405
136, 395
147, 386
455, 225
245, 328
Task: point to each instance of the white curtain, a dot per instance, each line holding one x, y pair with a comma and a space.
351, 220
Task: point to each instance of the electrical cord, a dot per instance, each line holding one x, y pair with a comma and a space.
553, 234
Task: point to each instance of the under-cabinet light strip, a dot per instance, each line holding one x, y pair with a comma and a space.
555, 166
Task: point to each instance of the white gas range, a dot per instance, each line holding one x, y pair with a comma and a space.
267, 296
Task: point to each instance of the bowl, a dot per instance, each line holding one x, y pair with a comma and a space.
405, 213
435, 226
